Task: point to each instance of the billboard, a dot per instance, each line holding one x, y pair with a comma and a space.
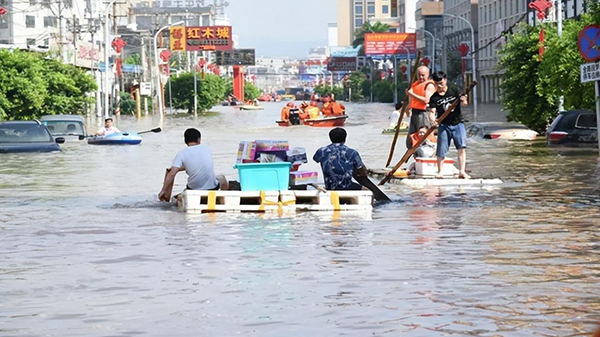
342, 64
390, 43
236, 57
198, 38
343, 51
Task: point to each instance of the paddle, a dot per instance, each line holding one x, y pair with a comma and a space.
412, 150
155, 130
413, 78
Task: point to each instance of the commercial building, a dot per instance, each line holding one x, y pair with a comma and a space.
352, 14
429, 30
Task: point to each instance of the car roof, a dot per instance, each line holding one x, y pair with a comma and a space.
20, 123
70, 118
577, 111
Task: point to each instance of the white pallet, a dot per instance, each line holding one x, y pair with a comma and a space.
314, 200
420, 182
194, 201
228, 201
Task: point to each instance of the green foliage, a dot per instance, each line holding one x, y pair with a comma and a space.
383, 91
359, 36
250, 90
127, 104
134, 59
454, 67
531, 88
31, 86
355, 83
326, 89
211, 91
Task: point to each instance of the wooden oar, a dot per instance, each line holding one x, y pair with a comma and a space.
155, 130
377, 193
412, 150
413, 78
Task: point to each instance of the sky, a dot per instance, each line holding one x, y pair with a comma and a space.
278, 28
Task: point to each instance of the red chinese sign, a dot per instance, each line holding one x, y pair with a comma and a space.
200, 38
390, 43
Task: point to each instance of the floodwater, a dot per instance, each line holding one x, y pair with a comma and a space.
86, 249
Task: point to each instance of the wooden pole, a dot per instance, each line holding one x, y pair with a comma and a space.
403, 110
138, 103
412, 150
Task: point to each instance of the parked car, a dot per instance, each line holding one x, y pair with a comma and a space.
71, 127
500, 130
573, 127
27, 136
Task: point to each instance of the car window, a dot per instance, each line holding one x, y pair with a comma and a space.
64, 127
24, 134
586, 121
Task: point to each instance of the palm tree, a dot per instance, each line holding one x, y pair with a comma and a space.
359, 36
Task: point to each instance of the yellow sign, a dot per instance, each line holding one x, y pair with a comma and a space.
177, 40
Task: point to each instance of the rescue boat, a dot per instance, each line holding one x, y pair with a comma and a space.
325, 122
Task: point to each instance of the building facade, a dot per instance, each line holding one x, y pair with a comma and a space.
428, 24
352, 14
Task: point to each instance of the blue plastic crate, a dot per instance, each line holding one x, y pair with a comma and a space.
264, 176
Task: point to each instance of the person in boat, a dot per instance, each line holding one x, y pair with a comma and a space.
108, 128
427, 148
313, 110
332, 108
196, 160
285, 112
395, 116
452, 128
340, 163
303, 114
419, 94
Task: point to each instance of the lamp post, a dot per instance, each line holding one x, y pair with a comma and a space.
106, 65
472, 60
432, 45
160, 104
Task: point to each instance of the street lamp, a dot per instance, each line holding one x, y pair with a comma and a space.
160, 106
432, 45
106, 65
472, 60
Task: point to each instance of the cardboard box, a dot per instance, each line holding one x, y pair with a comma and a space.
428, 167
246, 152
272, 145
303, 177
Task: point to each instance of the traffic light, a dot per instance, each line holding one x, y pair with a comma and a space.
361, 62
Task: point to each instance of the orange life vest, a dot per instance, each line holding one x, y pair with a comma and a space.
419, 89
285, 113
414, 138
337, 109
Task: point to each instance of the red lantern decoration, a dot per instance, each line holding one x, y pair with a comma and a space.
541, 6
403, 69
463, 48
165, 55
3, 11
119, 64
118, 44
426, 61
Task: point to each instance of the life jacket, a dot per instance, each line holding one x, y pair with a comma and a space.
303, 114
285, 113
313, 112
419, 89
414, 138
327, 109
337, 109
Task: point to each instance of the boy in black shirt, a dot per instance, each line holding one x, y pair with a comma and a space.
452, 127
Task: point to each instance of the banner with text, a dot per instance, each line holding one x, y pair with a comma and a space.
236, 57
342, 64
390, 43
200, 38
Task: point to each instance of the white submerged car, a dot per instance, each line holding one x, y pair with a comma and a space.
71, 127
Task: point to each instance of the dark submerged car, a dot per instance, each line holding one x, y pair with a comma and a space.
25, 136
573, 128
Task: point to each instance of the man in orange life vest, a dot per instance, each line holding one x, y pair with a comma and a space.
331, 108
419, 94
285, 112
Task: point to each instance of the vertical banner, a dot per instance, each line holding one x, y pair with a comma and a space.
177, 39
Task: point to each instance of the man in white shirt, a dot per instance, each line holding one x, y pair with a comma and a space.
197, 162
108, 128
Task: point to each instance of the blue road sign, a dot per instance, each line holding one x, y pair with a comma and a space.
589, 43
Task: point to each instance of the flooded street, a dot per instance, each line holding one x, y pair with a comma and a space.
87, 250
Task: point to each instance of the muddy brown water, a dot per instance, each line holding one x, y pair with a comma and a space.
86, 249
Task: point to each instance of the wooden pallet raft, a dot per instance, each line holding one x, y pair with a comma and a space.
328, 201
228, 201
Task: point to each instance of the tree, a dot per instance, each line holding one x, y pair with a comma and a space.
327, 90
355, 83
134, 59
211, 91
532, 87
359, 36
250, 90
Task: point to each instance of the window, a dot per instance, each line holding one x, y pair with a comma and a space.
358, 23
32, 2
586, 121
49, 21
31, 42
3, 22
68, 3
358, 10
4, 42
385, 9
370, 9
30, 21
46, 42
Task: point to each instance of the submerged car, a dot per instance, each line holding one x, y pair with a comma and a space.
573, 127
27, 136
500, 130
71, 127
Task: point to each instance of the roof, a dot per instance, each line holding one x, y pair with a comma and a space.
20, 122
62, 118
577, 111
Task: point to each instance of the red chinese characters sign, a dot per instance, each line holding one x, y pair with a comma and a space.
208, 38
390, 43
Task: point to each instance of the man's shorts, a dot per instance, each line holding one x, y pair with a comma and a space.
447, 133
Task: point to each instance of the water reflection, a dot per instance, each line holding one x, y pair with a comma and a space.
87, 249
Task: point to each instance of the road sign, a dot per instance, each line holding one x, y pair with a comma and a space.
361, 62
342, 64
145, 89
589, 72
236, 57
589, 43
